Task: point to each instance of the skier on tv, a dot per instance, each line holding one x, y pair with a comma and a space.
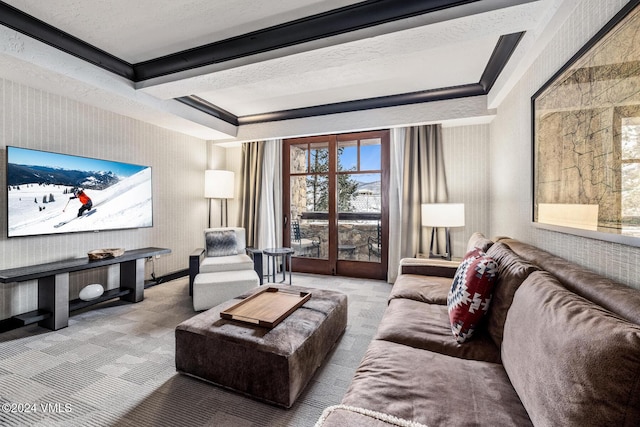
84, 199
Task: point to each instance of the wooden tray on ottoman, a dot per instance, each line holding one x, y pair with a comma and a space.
266, 308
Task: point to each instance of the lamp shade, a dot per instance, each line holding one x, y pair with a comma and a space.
218, 184
443, 215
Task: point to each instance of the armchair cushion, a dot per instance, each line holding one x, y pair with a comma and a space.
227, 263
221, 243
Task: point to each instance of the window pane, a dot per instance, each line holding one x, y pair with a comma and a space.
298, 196
370, 152
360, 193
317, 193
347, 155
347, 189
298, 158
358, 227
319, 156
309, 237
359, 240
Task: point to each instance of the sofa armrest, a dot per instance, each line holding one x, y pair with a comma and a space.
429, 267
194, 266
256, 255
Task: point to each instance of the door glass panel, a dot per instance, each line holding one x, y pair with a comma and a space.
359, 201
319, 157
298, 196
370, 157
359, 237
298, 158
347, 156
309, 199
359, 240
309, 238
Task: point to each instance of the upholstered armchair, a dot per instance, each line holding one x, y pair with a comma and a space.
225, 250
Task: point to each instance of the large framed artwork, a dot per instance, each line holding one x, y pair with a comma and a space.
586, 138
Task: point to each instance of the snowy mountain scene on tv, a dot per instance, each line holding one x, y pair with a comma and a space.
49, 193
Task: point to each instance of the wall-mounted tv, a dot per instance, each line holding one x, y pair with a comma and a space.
49, 193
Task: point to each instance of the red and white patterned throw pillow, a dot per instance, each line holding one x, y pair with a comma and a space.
470, 294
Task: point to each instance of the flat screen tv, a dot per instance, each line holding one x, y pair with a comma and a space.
49, 193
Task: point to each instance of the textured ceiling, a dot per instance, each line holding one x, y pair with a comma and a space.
362, 70
437, 50
145, 29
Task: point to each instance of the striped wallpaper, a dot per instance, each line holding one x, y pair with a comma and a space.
466, 156
36, 119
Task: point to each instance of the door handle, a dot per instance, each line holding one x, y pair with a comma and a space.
286, 220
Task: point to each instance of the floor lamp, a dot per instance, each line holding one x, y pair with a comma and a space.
445, 215
219, 184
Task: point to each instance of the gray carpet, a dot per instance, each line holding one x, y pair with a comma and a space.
114, 366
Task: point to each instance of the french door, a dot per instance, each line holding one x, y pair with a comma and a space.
335, 203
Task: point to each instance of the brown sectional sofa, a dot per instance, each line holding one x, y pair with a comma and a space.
560, 347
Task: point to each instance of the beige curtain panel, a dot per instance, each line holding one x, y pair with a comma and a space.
424, 181
250, 185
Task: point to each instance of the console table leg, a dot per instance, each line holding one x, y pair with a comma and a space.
132, 277
113, 276
53, 296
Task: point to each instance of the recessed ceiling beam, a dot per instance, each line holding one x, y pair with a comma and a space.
499, 58
440, 94
207, 107
327, 24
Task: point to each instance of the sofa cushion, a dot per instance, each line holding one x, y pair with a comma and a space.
478, 240
615, 297
429, 289
470, 294
226, 263
429, 267
427, 326
512, 270
571, 361
221, 243
434, 389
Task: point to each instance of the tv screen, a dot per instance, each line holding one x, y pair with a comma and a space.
50, 193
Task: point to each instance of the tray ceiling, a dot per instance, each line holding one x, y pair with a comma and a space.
253, 61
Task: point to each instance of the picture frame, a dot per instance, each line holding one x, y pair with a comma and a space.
586, 138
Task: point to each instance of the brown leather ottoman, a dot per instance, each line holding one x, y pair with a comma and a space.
273, 365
